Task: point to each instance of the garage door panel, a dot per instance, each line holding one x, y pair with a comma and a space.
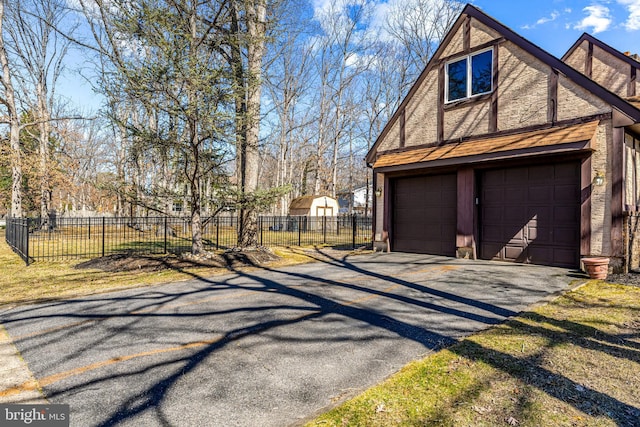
565, 192
542, 226
424, 214
540, 194
513, 196
563, 215
515, 214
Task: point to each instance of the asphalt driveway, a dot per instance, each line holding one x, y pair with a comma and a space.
266, 347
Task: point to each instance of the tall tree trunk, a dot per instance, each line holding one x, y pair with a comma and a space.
249, 122
14, 124
45, 131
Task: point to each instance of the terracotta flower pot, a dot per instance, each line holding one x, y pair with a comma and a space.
596, 268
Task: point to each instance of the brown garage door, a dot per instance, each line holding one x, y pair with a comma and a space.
424, 214
531, 214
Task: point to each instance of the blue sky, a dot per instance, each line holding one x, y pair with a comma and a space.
555, 25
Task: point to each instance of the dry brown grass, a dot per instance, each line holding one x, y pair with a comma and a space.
42, 281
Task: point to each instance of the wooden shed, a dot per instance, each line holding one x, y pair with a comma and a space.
314, 206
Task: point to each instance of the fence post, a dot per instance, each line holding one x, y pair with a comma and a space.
299, 231
324, 229
103, 233
165, 234
217, 233
260, 225
89, 221
26, 243
354, 223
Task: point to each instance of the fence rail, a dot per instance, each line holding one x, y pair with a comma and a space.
64, 238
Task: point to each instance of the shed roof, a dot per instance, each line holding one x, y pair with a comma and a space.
500, 146
305, 202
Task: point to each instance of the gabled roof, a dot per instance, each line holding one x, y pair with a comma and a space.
614, 100
602, 45
305, 202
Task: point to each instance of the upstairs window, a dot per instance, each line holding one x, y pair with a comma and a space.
469, 76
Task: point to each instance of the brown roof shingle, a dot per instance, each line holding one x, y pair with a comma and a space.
474, 147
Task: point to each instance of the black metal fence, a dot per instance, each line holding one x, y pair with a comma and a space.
64, 238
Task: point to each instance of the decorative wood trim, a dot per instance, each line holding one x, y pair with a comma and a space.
440, 118
466, 37
617, 192
493, 117
402, 129
585, 207
483, 46
631, 88
466, 208
588, 60
533, 128
552, 112
466, 102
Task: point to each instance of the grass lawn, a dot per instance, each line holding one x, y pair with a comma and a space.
43, 281
572, 362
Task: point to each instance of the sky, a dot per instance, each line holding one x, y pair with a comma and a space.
553, 25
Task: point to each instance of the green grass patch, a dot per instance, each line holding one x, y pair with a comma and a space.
572, 362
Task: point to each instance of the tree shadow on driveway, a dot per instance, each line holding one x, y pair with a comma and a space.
185, 324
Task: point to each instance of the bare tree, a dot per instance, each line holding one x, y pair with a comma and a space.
9, 102
38, 53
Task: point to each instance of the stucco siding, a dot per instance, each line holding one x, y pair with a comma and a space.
481, 34
578, 57
467, 121
574, 101
632, 172
456, 44
610, 72
421, 114
522, 89
392, 138
379, 208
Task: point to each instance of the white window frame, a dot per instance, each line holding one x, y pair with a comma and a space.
469, 75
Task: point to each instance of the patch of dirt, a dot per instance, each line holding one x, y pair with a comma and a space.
632, 278
150, 263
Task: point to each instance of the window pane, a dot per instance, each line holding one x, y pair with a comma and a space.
457, 72
481, 73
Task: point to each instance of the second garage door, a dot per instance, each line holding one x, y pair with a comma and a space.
424, 214
531, 214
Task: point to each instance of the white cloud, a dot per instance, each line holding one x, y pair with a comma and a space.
598, 18
633, 20
554, 15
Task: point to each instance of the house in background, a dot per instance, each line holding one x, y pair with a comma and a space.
355, 202
502, 151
